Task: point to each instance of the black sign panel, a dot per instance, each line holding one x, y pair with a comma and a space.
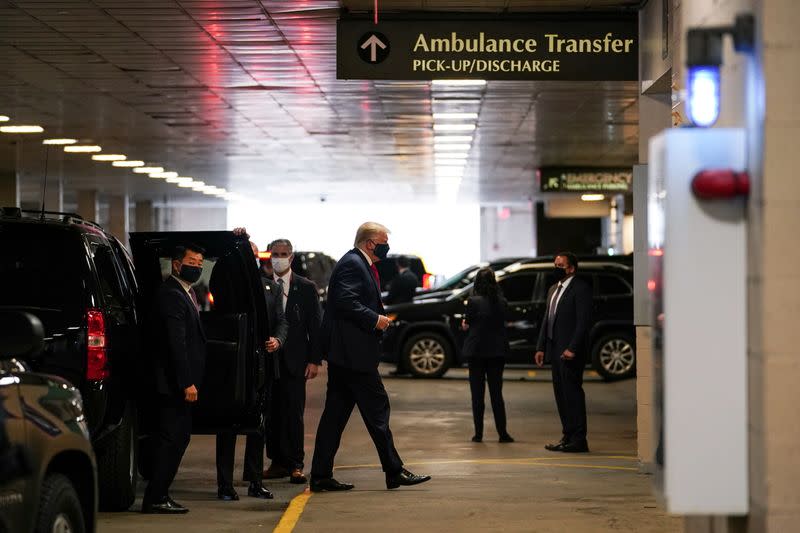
585, 180
523, 48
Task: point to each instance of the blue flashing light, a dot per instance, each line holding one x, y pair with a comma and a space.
703, 101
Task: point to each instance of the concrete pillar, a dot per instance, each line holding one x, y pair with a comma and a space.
88, 205
9, 182
145, 216
118, 217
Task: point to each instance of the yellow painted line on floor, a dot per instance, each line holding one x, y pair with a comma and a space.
531, 373
588, 467
292, 513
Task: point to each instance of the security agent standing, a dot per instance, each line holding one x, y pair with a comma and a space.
404, 286
179, 364
299, 361
254, 448
352, 327
563, 341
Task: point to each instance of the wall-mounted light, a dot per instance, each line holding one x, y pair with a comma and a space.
703, 61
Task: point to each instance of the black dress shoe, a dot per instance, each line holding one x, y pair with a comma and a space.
506, 438
297, 477
576, 447
257, 490
554, 447
404, 477
328, 484
166, 506
477, 438
227, 494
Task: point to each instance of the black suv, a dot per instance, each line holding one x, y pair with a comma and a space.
78, 280
387, 270
315, 266
426, 338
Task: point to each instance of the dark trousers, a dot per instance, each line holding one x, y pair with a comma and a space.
570, 399
226, 453
286, 435
482, 371
346, 389
173, 432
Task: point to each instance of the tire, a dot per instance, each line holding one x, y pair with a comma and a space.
116, 466
427, 355
614, 356
59, 508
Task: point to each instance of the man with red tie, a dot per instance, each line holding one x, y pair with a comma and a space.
352, 328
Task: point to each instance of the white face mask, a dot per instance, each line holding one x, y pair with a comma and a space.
280, 264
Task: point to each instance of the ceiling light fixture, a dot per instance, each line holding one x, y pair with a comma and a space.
109, 157
82, 149
451, 162
163, 175
452, 155
21, 129
449, 172
455, 116
59, 142
454, 127
458, 83
452, 139
198, 185
188, 184
128, 164
148, 170
592, 197
4, 118
451, 147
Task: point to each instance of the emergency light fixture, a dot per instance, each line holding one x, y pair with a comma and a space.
703, 61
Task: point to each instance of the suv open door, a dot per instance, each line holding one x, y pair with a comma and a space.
234, 316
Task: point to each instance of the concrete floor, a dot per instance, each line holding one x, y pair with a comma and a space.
475, 487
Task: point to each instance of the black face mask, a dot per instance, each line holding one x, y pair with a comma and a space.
559, 273
381, 251
190, 274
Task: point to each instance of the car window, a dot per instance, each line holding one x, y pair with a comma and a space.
107, 274
610, 285
518, 288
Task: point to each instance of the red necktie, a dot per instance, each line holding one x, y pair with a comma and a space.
375, 274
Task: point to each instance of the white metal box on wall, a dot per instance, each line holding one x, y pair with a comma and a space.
698, 280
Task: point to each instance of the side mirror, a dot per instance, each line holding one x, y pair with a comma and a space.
21, 335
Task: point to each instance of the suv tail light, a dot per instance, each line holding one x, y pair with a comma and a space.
96, 363
426, 281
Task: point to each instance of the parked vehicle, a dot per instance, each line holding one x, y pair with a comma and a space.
466, 276
48, 479
78, 281
426, 338
315, 266
387, 269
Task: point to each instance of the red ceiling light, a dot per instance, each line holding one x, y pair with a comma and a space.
720, 183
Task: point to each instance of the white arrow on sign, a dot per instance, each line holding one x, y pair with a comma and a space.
373, 42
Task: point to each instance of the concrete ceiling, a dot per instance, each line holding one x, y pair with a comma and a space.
243, 94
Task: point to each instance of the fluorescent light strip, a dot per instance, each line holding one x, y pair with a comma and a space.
128, 164
82, 149
4, 118
109, 157
454, 127
452, 139
451, 162
455, 116
458, 83
148, 170
59, 142
592, 197
455, 155
163, 175
451, 147
21, 129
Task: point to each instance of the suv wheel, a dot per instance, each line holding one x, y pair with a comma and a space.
116, 466
427, 355
60, 509
614, 357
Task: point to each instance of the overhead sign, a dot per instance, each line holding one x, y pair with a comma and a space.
584, 179
545, 47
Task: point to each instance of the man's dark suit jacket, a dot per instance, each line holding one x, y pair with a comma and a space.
403, 288
350, 338
303, 315
181, 346
487, 336
571, 323
278, 326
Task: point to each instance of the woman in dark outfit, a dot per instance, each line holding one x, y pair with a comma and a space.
485, 348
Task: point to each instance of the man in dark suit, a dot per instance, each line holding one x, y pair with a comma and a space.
299, 360
404, 286
564, 343
179, 365
352, 328
254, 447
